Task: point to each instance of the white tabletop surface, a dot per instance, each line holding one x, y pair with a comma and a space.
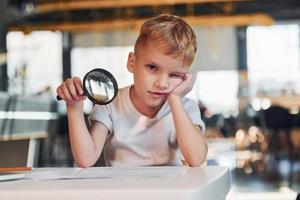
110, 183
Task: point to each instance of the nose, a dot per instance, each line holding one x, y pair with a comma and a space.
162, 82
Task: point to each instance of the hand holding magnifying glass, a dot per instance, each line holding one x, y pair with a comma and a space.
99, 86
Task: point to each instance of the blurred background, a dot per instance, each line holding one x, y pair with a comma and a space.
247, 87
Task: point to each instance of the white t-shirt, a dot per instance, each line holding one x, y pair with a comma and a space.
136, 140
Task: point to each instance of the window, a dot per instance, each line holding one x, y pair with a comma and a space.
217, 90
34, 61
113, 59
273, 59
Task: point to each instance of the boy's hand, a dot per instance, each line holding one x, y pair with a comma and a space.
185, 86
71, 92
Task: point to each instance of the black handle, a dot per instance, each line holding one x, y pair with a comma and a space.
58, 98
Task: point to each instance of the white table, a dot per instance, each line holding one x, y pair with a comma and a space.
110, 183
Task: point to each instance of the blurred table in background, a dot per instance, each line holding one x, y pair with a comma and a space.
286, 101
24, 120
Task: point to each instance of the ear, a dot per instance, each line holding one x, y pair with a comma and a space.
131, 62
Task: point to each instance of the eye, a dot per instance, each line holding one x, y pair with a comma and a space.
178, 76
152, 67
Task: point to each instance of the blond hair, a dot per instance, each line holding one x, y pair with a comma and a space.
171, 33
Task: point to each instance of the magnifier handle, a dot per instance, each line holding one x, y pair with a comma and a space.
58, 98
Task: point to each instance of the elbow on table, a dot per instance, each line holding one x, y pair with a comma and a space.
198, 160
84, 163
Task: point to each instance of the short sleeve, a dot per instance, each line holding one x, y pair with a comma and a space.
101, 114
194, 113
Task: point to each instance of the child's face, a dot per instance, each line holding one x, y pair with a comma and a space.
155, 74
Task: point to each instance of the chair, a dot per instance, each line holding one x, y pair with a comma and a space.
276, 119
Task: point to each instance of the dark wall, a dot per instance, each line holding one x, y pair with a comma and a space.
3, 64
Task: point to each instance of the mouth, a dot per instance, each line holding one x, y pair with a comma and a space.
158, 95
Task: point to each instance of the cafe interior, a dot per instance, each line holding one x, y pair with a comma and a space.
247, 85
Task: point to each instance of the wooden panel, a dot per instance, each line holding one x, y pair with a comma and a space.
134, 24
13, 153
94, 4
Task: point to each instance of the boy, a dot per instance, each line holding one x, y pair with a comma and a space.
149, 121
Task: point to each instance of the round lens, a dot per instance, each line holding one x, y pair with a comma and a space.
100, 86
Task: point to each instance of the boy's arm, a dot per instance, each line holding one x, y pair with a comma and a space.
190, 139
86, 146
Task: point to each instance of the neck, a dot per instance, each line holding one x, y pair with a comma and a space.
144, 109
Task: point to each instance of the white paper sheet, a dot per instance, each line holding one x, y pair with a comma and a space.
105, 172
6, 176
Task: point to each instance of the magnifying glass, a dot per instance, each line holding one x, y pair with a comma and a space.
100, 86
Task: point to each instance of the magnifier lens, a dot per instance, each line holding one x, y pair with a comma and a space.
100, 86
